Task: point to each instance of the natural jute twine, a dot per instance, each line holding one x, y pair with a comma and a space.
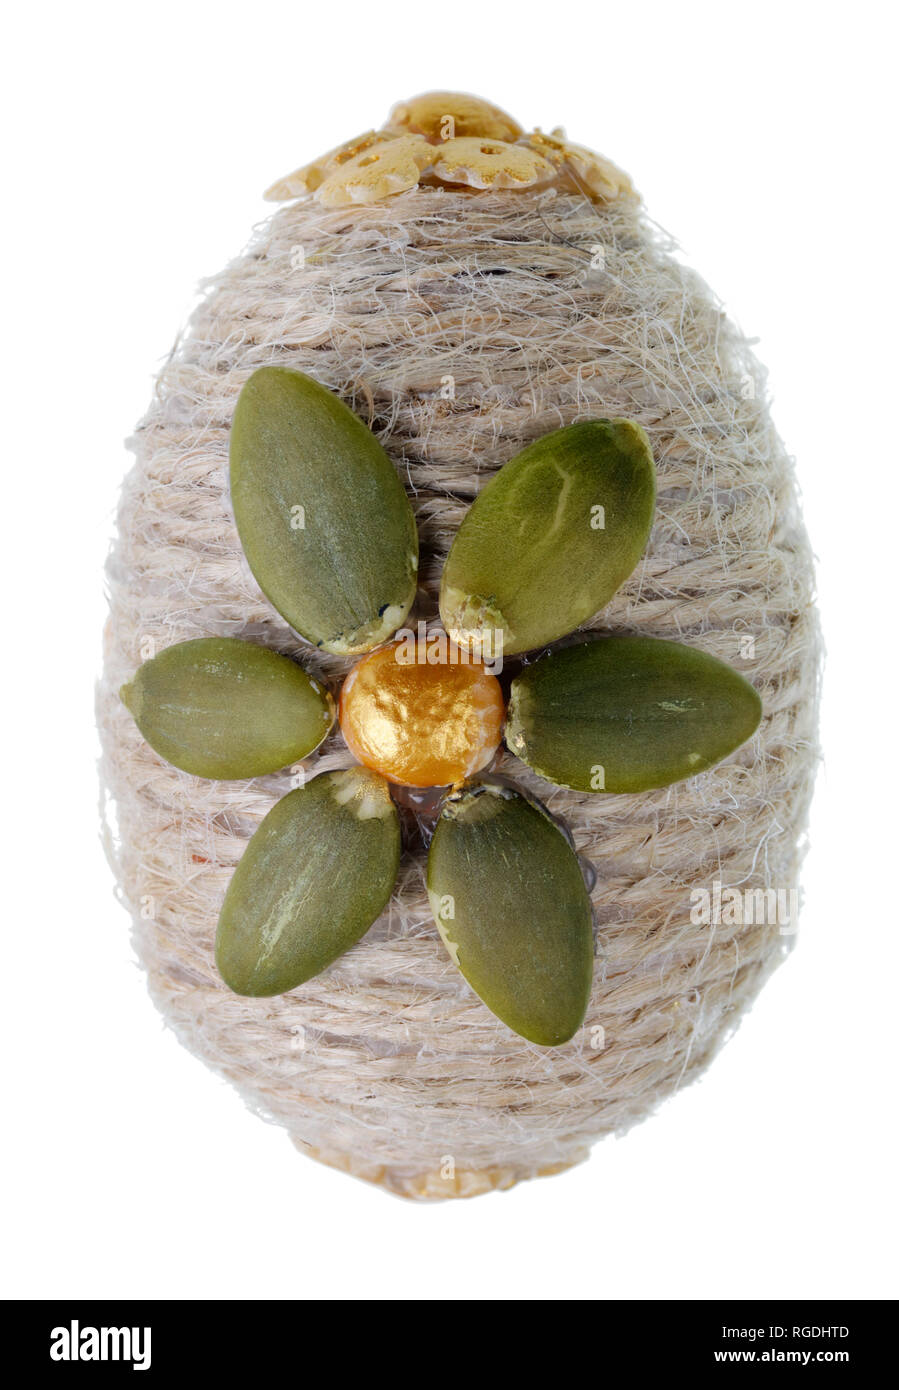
460, 327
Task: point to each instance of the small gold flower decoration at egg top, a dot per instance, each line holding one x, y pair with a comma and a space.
440, 116
451, 139
312, 176
544, 546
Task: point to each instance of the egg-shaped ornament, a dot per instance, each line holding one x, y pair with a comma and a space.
460, 689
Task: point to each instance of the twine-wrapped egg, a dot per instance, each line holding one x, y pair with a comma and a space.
466, 288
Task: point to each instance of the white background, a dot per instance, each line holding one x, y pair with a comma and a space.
139, 139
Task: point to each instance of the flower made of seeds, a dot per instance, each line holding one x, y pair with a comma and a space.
330, 537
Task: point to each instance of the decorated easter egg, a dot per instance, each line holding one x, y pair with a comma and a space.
459, 704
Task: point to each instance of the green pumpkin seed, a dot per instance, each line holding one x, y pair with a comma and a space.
222, 708
316, 874
626, 714
323, 519
550, 538
509, 899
